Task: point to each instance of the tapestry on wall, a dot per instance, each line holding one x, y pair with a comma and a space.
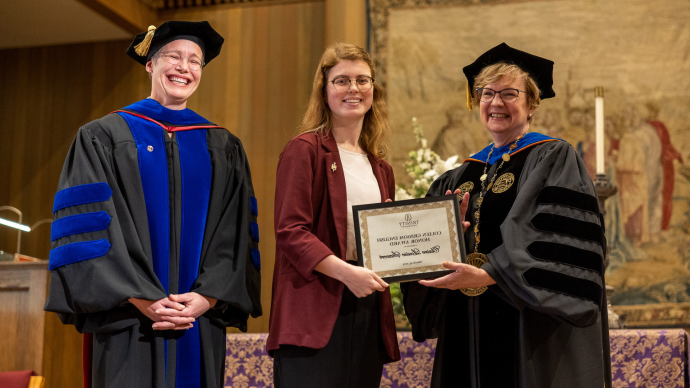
639, 51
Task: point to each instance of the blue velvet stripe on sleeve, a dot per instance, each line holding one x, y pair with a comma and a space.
80, 223
256, 258
76, 252
254, 206
78, 195
254, 229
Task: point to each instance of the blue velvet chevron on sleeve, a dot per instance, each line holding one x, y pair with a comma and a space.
79, 224
254, 230
78, 195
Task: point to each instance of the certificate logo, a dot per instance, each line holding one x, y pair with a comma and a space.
409, 223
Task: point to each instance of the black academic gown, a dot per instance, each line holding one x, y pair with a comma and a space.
141, 215
544, 323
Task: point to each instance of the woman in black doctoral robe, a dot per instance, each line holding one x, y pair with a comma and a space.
155, 240
529, 310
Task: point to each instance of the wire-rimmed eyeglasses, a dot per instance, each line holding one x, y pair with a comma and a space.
342, 83
174, 58
507, 95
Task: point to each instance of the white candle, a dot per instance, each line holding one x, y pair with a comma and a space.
599, 104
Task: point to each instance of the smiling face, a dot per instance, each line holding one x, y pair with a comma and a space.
172, 85
506, 121
350, 104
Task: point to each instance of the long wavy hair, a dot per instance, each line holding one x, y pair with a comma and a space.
375, 130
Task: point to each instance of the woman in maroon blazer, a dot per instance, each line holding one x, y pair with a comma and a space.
332, 321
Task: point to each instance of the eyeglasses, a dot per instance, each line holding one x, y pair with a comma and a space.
342, 83
174, 58
507, 95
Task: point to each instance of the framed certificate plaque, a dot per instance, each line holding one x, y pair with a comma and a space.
409, 240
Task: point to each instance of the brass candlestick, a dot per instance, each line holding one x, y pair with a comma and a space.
605, 190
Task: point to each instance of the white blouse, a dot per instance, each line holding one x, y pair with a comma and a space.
362, 188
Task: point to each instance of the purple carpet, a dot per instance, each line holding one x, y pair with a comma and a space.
639, 359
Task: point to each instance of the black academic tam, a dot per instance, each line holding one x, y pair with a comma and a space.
541, 69
154, 39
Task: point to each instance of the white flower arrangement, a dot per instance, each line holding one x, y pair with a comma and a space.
424, 166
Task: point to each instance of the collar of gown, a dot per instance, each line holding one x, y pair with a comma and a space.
530, 139
153, 109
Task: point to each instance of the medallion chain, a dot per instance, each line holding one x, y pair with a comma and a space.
477, 258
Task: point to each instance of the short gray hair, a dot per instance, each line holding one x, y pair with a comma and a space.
153, 59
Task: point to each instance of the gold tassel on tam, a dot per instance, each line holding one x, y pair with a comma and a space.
143, 48
469, 97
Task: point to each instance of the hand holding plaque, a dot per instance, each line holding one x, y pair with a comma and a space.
409, 240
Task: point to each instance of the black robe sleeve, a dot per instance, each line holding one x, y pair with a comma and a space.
230, 267
89, 289
551, 259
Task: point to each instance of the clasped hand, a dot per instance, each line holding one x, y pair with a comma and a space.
176, 312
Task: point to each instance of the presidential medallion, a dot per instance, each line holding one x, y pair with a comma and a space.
503, 183
475, 259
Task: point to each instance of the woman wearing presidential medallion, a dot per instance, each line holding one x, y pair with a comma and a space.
331, 321
155, 241
528, 309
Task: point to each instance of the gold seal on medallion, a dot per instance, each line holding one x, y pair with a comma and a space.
475, 259
503, 183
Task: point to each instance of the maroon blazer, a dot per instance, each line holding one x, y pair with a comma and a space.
310, 223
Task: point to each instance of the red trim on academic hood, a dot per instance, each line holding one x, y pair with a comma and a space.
168, 128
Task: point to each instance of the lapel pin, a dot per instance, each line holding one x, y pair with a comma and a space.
150, 148
334, 167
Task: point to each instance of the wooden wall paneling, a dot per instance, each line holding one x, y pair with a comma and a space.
62, 355
278, 121
346, 22
292, 57
16, 113
23, 291
9, 71
224, 94
9, 311
255, 85
132, 15
34, 322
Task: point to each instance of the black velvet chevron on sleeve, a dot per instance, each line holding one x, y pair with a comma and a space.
565, 284
555, 195
567, 226
566, 254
